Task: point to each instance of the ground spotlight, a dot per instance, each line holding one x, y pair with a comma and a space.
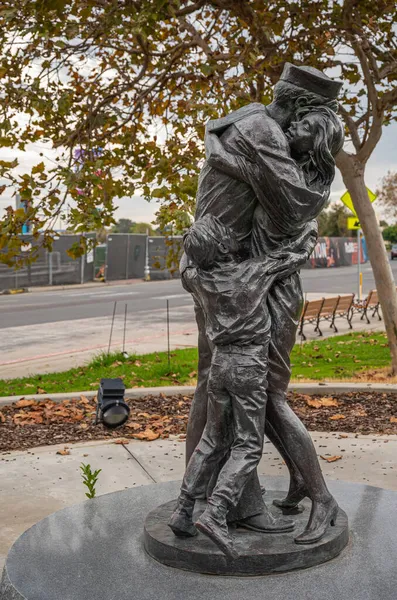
112, 410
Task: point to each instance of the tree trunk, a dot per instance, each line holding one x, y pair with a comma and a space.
353, 176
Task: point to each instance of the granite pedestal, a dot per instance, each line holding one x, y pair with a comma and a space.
95, 550
259, 553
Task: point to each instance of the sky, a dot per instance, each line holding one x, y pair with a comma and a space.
136, 208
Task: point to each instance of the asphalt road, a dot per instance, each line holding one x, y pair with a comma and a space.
144, 298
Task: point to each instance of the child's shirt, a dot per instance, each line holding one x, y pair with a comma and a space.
233, 298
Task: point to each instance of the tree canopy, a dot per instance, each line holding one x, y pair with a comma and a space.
121, 89
128, 226
333, 222
390, 234
387, 194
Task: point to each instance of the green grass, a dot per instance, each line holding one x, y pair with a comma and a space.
339, 357
137, 371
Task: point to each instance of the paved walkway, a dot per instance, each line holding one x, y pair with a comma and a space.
38, 482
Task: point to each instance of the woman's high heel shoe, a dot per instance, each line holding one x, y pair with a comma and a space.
321, 518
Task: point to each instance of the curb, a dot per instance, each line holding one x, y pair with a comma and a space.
303, 388
83, 286
12, 292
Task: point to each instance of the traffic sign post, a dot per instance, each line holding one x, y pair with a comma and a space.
360, 275
353, 223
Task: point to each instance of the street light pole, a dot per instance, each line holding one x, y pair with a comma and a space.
146, 272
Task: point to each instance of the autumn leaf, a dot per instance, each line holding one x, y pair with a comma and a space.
329, 401
313, 403
2, 418
84, 400
41, 391
393, 419
337, 417
148, 435
24, 403
193, 374
319, 402
64, 452
331, 459
133, 425
121, 442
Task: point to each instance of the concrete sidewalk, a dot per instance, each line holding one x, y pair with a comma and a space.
38, 482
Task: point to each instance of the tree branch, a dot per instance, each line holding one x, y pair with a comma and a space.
353, 128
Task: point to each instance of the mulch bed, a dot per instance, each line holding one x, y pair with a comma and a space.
28, 423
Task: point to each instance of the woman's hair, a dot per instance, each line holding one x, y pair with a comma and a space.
319, 164
203, 240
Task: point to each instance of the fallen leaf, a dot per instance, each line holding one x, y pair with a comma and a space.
313, 403
133, 425
83, 426
121, 441
144, 415
64, 452
328, 402
331, 459
2, 418
30, 385
137, 363
337, 417
41, 391
342, 436
24, 403
84, 400
393, 419
193, 374
149, 435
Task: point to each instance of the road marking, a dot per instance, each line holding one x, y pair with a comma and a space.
112, 295
170, 297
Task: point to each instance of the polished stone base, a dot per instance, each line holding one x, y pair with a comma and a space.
259, 554
94, 550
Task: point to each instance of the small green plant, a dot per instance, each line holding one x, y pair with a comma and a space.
89, 479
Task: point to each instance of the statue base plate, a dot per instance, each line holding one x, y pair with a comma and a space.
96, 550
260, 553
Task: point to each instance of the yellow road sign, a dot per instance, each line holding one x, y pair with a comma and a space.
347, 200
353, 223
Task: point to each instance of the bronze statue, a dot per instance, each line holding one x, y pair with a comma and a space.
267, 187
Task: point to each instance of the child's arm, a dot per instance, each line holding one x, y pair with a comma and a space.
189, 277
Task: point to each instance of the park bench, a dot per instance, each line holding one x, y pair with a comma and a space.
327, 309
371, 302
